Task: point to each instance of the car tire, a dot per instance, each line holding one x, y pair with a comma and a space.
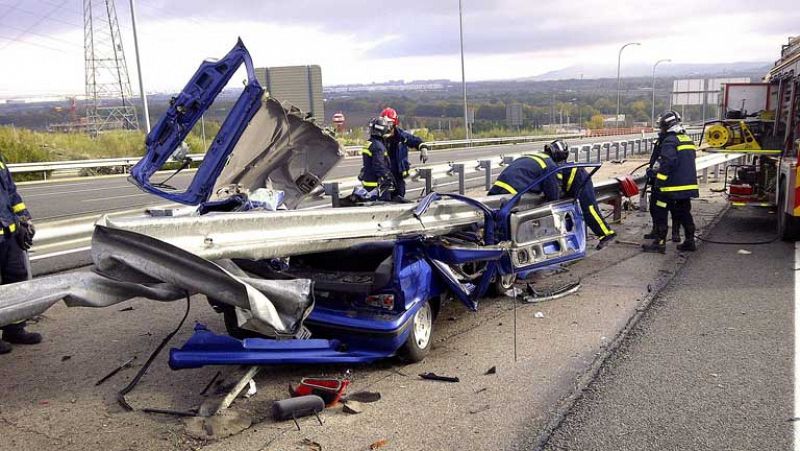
501, 284
419, 341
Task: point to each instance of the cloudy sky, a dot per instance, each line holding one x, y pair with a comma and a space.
357, 41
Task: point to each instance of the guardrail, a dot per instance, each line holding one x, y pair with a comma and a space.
126, 162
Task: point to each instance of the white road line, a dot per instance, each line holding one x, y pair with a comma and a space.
58, 193
116, 197
60, 253
795, 423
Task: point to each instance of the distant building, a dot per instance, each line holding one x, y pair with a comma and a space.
514, 115
300, 86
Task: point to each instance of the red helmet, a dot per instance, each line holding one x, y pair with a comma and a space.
391, 114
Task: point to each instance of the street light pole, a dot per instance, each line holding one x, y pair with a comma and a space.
146, 111
463, 77
653, 110
619, 85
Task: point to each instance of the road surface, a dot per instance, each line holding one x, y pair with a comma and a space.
710, 364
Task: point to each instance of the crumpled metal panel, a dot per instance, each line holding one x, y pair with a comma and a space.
129, 265
263, 235
279, 144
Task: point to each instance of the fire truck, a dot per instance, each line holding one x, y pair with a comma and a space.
762, 121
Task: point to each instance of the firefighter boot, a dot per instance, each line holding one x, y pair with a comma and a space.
17, 334
606, 240
658, 245
688, 245
651, 235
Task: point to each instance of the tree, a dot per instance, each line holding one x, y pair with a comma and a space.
595, 122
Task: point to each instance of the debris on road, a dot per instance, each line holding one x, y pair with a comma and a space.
436, 377
294, 408
330, 389
114, 371
353, 407
743, 252
378, 444
492, 370
538, 315
310, 445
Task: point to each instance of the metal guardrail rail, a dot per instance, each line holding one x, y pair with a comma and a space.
52, 234
127, 162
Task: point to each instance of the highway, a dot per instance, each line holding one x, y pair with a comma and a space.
56, 200
710, 364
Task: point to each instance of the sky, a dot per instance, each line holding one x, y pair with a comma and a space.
42, 51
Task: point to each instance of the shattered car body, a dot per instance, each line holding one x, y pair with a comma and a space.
330, 285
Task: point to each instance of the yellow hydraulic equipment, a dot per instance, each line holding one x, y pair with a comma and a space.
731, 135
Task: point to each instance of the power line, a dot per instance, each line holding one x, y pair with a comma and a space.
36, 23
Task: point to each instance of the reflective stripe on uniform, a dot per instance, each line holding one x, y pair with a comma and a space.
366, 151
600, 221
661, 176
559, 176
11, 228
2, 165
667, 189
405, 173
571, 178
369, 184
684, 138
538, 159
687, 147
505, 186
19, 207
661, 204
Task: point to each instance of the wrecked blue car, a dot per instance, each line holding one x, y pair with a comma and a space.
332, 285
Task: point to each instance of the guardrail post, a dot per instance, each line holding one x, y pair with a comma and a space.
705, 176
607, 145
487, 166
427, 174
616, 151
617, 204
506, 160
588, 148
629, 149
332, 189
458, 168
716, 172
574, 150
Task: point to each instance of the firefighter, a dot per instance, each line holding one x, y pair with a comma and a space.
525, 170
574, 179
376, 171
16, 236
675, 183
676, 233
398, 144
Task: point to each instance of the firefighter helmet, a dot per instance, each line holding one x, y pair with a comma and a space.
668, 119
381, 126
391, 114
557, 150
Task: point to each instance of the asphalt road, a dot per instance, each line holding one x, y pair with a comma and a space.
92, 196
709, 366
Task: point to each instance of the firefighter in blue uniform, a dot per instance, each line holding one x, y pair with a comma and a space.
675, 183
376, 171
574, 179
522, 172
398, 144
16, 234
676, 234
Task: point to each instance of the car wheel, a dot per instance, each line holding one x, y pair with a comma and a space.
501, 284
419, 340
788, 225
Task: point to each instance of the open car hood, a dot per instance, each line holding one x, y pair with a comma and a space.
260, 139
